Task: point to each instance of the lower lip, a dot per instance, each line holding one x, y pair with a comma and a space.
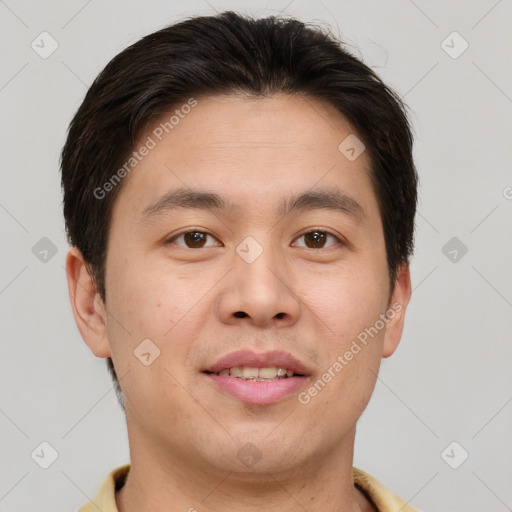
258, 392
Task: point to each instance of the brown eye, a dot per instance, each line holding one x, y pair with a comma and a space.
192, 239
316, 239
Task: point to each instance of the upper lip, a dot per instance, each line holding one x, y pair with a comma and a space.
279, 359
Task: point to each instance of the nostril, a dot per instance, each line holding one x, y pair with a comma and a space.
240, 314
280, 315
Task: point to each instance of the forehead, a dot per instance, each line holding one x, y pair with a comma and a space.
247, 149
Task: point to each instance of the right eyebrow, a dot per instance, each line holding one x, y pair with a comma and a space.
185, 198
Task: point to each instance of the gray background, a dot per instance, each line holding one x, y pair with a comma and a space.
450, 379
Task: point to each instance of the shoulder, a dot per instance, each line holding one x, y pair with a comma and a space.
383, 499
105, 499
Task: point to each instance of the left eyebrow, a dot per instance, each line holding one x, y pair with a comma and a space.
334, 200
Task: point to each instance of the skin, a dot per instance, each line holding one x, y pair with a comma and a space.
311, 302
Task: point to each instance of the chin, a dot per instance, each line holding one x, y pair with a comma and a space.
253, 453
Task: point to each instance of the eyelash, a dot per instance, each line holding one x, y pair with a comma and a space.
315, 230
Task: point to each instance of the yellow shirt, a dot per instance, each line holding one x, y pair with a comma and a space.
383, 499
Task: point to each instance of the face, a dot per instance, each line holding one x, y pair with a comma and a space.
281, 268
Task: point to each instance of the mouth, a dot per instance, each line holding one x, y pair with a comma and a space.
258, 378
256, 374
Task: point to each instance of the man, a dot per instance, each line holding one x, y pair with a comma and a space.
240, 195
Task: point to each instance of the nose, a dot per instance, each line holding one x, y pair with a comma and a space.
259, 293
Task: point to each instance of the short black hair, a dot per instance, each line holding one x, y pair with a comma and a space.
221, 55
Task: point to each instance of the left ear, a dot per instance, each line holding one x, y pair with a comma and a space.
396, 310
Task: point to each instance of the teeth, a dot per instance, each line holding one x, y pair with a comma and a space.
252, 373
235, 372
268, 373
249, 372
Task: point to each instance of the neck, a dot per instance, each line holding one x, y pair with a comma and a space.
159, 483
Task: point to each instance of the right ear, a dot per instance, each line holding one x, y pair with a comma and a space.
88, 307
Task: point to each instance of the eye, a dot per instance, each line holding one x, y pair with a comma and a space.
317, 239
192, 239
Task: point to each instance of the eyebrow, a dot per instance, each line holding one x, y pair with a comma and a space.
334, 200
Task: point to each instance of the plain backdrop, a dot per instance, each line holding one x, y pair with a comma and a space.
450, 379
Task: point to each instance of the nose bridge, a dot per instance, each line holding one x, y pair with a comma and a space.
259, 289
258, 264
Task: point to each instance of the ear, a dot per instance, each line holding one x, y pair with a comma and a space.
88, 308
396, 310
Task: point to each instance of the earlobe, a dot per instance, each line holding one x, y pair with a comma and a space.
88, 308
396, 310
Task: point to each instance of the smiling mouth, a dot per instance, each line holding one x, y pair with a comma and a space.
254, 374
259, 379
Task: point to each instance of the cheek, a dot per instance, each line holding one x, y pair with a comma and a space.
346, 307
150, 299
167, 307
151, 313
352, 350
345, 302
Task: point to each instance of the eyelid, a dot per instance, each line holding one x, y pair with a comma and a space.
172, 238
337, 236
